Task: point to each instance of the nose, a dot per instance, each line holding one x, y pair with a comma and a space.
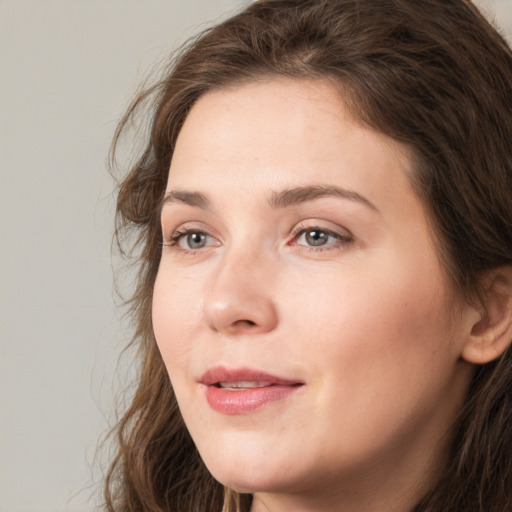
239, 297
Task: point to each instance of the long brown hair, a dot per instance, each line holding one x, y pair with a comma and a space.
432, 74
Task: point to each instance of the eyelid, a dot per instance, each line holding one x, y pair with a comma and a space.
314, 225
322, 225
342, 236
173, 237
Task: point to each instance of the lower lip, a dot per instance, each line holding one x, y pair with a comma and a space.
246, 400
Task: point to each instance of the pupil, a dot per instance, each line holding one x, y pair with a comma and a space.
196, 240
316, 237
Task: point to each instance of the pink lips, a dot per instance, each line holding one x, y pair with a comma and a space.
243, 390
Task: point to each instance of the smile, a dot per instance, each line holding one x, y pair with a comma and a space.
243, 390
247, 384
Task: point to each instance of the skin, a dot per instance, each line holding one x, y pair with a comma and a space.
365, 320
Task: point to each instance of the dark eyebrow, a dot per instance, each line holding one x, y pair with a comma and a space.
280, 199
298, 195
191, 198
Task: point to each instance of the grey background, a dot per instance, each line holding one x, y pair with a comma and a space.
68, 68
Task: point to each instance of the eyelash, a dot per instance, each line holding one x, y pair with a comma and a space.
340, 240
297, 232
175, 238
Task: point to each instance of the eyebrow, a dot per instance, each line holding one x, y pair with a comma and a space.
191, 198
298, 195
277, 199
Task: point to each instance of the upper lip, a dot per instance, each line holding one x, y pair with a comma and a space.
220, 374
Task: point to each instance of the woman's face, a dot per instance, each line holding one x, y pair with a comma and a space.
300, 307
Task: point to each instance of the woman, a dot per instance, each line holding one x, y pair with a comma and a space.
324, 309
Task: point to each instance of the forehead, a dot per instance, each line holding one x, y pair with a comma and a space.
281, 133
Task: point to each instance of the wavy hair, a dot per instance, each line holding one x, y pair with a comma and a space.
432, 74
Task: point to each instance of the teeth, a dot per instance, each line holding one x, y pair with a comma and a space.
244, 384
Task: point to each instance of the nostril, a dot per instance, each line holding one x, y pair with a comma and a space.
248, 323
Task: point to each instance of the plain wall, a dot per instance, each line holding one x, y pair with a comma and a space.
68, 68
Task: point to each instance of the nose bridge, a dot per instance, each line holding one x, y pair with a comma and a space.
239, 297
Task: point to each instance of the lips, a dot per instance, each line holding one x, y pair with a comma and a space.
243, 390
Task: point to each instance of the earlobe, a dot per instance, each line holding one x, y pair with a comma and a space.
491, 334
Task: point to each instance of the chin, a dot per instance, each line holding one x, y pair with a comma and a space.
260, 474
247, 472
258, 480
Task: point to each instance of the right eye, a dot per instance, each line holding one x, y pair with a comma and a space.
190, 240
194, 240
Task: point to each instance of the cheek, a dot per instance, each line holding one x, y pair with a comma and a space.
176, 307
377, 320
380, 356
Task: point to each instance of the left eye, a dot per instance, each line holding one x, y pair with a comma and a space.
315, 237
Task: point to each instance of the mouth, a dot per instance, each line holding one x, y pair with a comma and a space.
245, 384
243, 390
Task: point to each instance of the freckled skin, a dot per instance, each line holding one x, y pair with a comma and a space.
348, 299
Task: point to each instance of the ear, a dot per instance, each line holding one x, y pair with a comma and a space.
491, 334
